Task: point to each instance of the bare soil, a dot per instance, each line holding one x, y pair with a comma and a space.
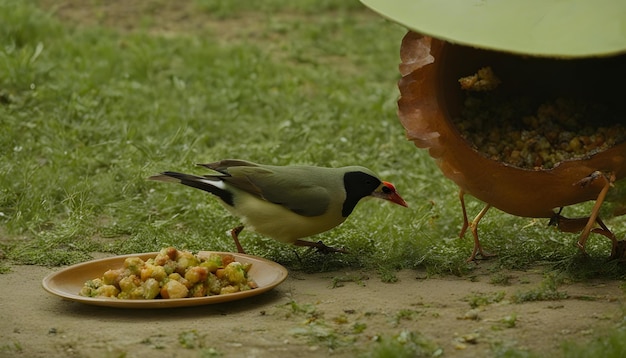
340, 313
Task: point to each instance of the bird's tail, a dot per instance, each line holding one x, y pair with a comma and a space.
211, 184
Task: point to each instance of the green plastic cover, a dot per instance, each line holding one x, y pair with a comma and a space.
546, 28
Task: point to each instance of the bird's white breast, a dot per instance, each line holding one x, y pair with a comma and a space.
279, 223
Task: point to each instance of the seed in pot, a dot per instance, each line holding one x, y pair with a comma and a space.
531, 133
483, 80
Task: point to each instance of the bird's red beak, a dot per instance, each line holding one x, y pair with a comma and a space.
391, 194
396, 198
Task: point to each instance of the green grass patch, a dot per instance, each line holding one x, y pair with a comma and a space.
611, 345
89, 110
476, 300
404, 344
547, 291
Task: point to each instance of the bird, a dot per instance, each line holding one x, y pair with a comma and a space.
287, 203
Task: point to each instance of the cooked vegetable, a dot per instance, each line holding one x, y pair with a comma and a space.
174, 289
172, 274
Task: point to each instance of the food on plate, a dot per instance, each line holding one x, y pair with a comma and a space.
172, 274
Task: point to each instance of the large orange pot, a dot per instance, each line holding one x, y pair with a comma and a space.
431, 96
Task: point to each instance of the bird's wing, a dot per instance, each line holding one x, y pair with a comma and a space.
297, 193
231, 175
293, 188
223, 165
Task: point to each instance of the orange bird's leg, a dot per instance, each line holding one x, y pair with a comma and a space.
235, 234
578, 224
593, 218
465, 222
474, 226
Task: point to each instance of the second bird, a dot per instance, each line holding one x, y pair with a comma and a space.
287, 203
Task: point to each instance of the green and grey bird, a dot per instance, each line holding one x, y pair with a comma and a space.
287, 203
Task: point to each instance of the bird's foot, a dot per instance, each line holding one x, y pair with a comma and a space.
321, 247
478, 251
581, 247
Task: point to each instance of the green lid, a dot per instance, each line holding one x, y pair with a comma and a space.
548, 28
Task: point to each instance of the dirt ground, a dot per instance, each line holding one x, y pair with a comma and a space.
307, 316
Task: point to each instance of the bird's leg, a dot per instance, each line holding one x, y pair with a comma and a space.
320, 246
565, 224
603, 230
577, 224
465, 222
593, 218
235, 234
555, 220
474, 226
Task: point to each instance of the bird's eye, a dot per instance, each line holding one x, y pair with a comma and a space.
386, 190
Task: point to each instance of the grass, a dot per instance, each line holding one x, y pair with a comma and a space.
344, 330
547, 291
611, 345
89, 111
404, 344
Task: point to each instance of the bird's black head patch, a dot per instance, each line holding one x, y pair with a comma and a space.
358, 185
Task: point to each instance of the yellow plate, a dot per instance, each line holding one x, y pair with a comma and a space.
67, 282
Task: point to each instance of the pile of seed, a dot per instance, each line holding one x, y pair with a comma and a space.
537, 135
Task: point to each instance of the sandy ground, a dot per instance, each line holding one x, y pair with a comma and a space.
306, 316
